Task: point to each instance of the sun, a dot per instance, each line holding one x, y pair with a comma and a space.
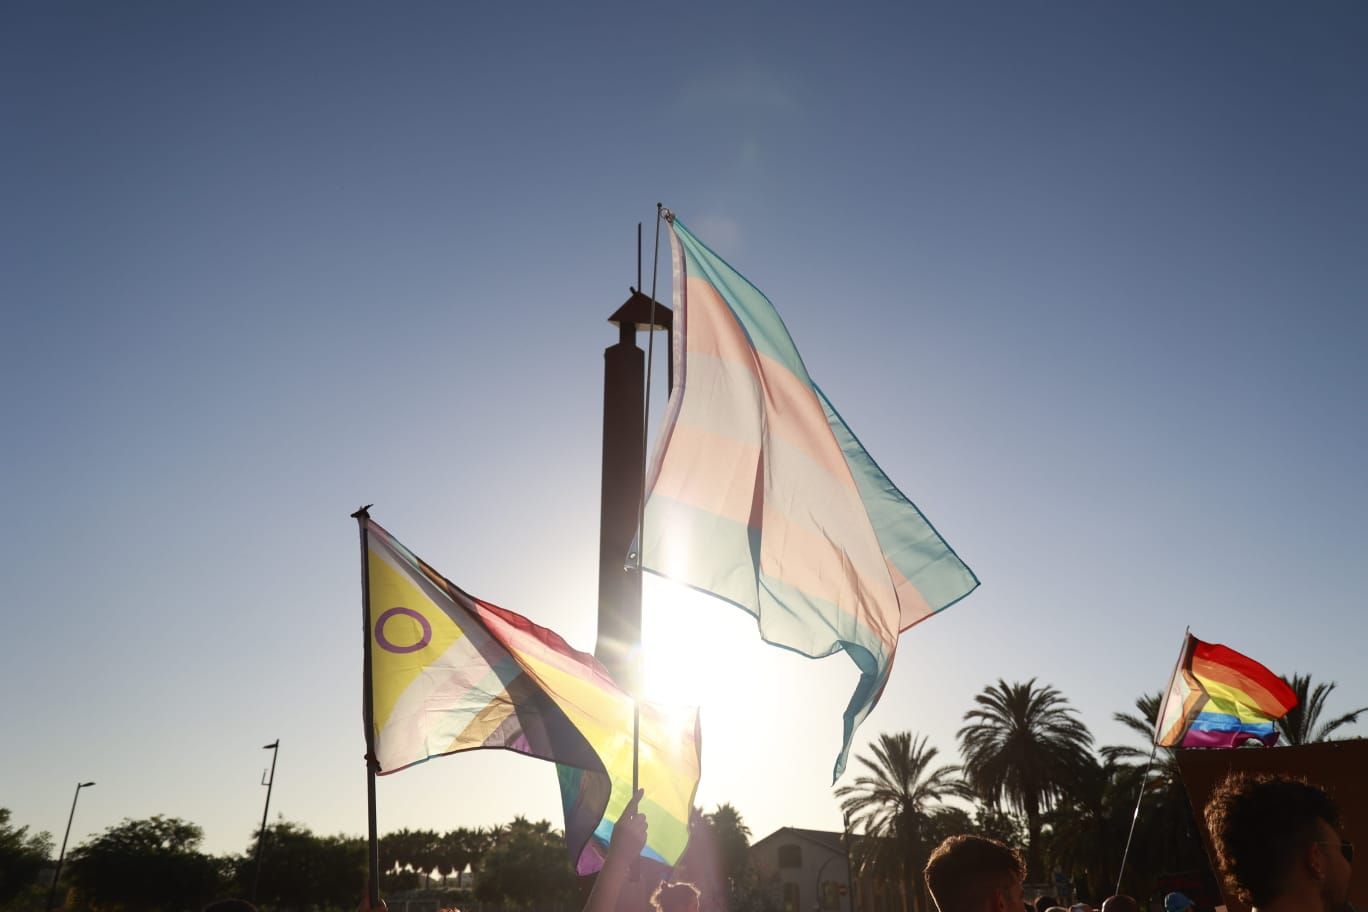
690, 654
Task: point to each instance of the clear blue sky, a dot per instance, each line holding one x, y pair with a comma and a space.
1087, 279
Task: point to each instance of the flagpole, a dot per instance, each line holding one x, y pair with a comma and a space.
1154, 749
641, 501
1144, 783
368, 714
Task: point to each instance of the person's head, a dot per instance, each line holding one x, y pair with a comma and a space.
974, 874
1279, 836
675, 897
230, 905
1042, 903
1120, 903
1177, 902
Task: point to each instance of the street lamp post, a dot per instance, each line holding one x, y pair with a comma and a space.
850, 879
56, 875
274, 748
818, 886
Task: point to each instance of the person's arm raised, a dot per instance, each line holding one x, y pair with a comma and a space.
629, 836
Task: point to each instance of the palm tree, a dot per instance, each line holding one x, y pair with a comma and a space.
427, 854
455, 856
732, 838
892, 801
1299, 726
480, 841
1021, 746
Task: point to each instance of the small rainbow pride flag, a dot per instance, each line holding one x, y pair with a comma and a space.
1220, 698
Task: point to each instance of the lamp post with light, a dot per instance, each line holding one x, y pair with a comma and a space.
274, 748
56, 875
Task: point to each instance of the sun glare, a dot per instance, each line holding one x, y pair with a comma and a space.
685, 660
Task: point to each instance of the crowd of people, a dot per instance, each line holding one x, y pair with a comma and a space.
1278, 843
1277, 839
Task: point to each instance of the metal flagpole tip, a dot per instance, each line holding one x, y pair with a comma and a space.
363, 513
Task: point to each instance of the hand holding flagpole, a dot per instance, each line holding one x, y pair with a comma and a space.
624, 849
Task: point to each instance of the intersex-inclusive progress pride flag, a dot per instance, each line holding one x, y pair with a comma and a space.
1220, 698
452, 673
761, 495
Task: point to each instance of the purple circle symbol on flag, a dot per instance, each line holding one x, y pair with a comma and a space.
390, 647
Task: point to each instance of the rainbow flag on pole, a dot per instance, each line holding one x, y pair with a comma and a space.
761, 495
1220, 698
452, 673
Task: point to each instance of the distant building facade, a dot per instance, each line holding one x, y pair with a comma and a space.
811, 873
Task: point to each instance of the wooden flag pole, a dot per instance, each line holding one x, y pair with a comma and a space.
368, 714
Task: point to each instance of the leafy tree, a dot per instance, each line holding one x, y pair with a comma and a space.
1302, 724
528, 867
1021, 745
999, 824
153, 864
1088, 829
945, 821
22, 857
300, 870
892, 800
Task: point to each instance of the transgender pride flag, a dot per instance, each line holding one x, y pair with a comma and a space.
761, 495
1220, 698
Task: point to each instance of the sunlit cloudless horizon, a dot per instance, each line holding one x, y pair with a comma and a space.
1087, 281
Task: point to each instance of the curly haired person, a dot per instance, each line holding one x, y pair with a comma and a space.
1278, 844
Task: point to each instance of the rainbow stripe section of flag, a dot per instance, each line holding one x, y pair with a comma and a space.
1221, 698
452, 673
760, 494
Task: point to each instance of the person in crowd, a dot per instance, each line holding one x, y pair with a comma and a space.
680, 896
1120, 903
629, 836
1045, 903
1177, 902
230, 905
974, 874
1278, 844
